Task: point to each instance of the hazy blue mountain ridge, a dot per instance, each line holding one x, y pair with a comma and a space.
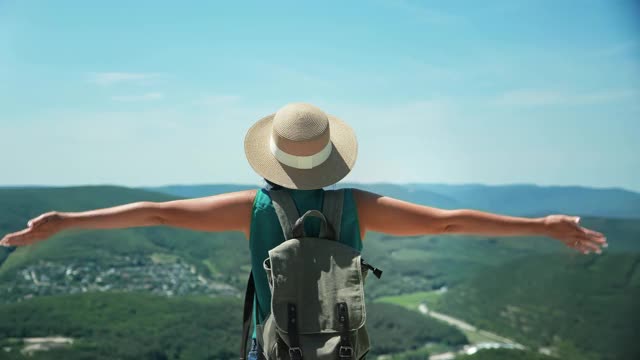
520, 200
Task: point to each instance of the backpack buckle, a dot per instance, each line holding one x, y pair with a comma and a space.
345, 352
295, 353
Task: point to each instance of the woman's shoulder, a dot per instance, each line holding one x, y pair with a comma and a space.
261, 199
364, 197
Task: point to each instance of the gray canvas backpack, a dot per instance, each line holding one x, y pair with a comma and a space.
317, 289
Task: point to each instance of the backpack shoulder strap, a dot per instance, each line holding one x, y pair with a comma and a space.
286, 210
332, 209
246, 315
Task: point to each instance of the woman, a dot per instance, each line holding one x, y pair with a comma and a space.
303, 150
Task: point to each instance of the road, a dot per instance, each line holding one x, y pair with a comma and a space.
464, 326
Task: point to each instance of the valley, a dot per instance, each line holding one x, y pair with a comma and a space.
529, 295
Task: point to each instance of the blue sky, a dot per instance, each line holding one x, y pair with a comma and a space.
152, 92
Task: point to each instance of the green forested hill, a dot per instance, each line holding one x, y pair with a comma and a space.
18, 205
532, 289
394, 329
422, 263
126, 326
590, 302
159, 259
143, 326
167, 261
229, 250
153, 260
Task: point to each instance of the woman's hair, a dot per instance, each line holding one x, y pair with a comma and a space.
272, 186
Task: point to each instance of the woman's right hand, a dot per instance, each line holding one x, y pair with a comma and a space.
567, 230
39, 228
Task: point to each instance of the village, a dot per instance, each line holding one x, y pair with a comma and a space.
125, 273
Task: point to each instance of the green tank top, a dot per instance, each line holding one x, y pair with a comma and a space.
266, 234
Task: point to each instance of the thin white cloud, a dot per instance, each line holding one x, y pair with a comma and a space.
112, 78
136, 98
527, 97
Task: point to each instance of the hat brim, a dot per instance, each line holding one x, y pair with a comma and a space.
335, 168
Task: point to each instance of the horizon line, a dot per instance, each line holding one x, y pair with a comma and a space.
339, 183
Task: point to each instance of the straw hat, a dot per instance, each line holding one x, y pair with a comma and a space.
301, 147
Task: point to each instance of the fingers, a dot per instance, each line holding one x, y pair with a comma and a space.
587, 240
585, 244
594, 236
582, 248
18, 238
589, 246
24, 237
38, 228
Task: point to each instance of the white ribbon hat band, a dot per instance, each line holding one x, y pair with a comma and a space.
300, 162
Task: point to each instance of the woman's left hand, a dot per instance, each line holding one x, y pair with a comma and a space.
569, 232
39, 229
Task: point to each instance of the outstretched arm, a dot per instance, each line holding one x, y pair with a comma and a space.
396, 217
224, 212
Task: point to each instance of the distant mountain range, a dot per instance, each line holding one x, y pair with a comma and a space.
522, 200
